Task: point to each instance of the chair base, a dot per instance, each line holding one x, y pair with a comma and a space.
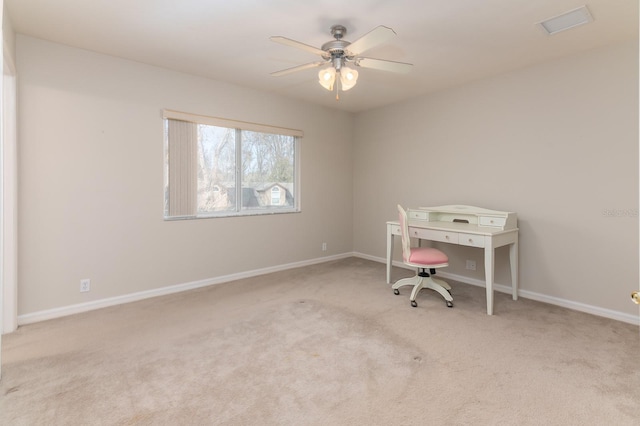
419, 282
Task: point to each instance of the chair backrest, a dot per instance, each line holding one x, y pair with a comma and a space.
404, 230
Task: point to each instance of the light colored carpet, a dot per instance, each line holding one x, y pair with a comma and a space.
325, 345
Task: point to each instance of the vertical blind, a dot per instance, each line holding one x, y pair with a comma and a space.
183, 149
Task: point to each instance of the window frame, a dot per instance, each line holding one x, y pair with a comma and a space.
238, 126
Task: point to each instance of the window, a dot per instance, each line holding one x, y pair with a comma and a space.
218, 167
275, 196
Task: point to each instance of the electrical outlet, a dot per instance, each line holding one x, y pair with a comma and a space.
85, 285
324, 246
471, 265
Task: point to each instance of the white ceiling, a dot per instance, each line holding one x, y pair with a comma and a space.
450, 42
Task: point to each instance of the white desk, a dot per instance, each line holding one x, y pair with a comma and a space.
466, 234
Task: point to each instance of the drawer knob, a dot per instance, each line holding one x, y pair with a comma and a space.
470, 240
446, 237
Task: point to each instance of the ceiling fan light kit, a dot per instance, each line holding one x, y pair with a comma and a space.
348, 78
338, 53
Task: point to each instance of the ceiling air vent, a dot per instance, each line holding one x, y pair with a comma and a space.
567, 20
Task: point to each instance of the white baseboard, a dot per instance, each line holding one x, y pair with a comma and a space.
569, 304
134, 297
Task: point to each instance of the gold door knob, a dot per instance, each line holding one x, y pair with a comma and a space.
635, 296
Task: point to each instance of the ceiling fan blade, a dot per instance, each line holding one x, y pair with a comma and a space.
298, 68
299, 45
371, 39
384, 65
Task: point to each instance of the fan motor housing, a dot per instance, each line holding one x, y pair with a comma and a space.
335, 47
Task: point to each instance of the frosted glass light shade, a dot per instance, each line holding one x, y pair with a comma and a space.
348, 78
327, 78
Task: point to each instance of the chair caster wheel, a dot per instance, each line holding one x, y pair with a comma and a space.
396, 291
414, 304
449, 304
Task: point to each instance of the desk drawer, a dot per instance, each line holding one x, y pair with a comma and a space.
496, 222
417, 215
434, 235
472, 240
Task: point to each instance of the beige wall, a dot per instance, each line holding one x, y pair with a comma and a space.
91, 173
557, 143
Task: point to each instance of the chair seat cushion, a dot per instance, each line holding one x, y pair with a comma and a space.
427, 256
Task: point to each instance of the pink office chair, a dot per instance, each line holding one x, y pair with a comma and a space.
424, 258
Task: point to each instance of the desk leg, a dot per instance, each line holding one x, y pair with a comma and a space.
489, 264
389, 254
513, 261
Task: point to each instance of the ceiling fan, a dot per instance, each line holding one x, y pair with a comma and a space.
342, 56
